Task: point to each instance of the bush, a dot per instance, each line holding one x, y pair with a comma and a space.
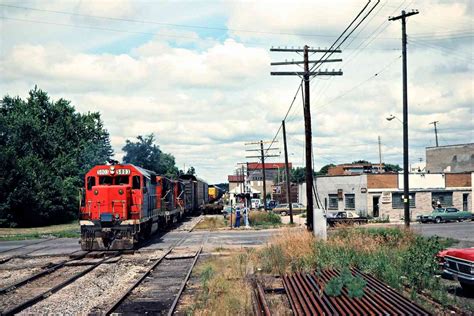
257, 218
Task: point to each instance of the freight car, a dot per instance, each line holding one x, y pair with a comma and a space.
196, 192
123, 203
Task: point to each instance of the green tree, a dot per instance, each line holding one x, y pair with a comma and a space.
324, 169
298, 174
46, 147
146, 154
392, 168
361, 162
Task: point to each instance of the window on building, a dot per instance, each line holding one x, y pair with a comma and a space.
349, 200
445, 198
333, 201
397, 200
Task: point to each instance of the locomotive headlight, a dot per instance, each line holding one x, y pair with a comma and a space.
117, 216
96, 192
120, 191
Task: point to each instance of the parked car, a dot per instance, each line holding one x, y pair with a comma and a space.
343, 214
458, 265
445, 215
271, 204
345, 217
284, 209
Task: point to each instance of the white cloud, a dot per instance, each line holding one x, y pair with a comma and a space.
203, 93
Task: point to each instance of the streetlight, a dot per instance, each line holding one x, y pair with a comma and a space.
391, 117
406, 188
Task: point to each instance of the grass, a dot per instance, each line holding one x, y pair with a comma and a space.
212, 223
70, 230
223, 289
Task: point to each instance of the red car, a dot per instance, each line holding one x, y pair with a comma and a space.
458, 264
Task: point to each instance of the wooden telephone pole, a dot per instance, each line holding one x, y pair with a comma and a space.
287, 171
406, 189
263, 154
436, 131
306, 74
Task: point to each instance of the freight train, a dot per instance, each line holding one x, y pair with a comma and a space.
122, 204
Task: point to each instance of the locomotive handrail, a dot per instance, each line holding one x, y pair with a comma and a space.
90, 211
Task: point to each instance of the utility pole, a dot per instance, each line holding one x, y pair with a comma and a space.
264, 177
436, 131
287, 171
406, 189
263, 154
380, 156
306, 107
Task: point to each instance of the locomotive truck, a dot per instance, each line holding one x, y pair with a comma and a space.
122, 204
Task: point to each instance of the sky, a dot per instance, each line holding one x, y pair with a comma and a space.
197, 74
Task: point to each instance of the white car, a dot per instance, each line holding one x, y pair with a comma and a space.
342, 214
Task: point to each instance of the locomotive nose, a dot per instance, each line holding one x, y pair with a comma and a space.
111, 203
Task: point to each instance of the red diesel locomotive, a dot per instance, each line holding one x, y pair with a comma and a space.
122, 204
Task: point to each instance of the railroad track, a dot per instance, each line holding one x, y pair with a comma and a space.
159, 289
33, 289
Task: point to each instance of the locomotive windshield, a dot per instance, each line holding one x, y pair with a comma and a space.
108, 180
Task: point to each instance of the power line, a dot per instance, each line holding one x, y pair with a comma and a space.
361, 83
204, 27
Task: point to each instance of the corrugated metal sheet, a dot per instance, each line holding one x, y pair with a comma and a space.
307, 297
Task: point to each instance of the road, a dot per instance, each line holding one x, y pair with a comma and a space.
214, 239
464, 231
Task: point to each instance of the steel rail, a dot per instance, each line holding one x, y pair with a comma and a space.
261, 301
183, 284
39, 274
136, 283
120, 300
18, 308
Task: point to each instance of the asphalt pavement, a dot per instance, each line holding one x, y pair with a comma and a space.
463, 231
211, 240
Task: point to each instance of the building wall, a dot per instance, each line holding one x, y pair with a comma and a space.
384, 185
382, 181
454, 158
423, 200
457, 180
233, 185
356, 185
423, 181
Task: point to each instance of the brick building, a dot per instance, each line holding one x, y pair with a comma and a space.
381, 195
355, 168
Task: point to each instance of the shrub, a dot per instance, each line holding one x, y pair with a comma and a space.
257, 218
